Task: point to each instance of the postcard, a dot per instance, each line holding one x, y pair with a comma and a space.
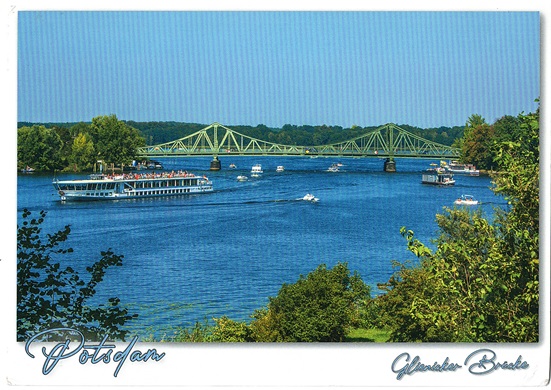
275, 196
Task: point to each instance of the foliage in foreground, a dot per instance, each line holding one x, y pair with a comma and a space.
322, 306
482, 282
319, 307
50, 297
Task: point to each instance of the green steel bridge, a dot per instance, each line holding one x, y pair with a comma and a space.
388, 141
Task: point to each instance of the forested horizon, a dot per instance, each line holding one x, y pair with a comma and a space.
156, 132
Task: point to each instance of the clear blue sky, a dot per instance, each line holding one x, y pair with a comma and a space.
337, 68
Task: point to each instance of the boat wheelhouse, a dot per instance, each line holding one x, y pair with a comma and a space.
131, 186
257, 169
437, 176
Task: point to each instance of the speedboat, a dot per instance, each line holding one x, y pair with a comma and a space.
232, 166
242, 178
467, 200
310, 198
280, 168
333, 168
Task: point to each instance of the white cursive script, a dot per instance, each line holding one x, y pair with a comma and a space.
100, 353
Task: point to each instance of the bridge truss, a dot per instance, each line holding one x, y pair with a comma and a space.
215, 140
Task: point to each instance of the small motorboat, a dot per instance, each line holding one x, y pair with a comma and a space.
242, 178
27, 169
467, 200
333, 168
232, 166
280, 168
310, 198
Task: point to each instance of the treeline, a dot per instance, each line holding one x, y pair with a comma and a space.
481, 143
77, 147
161, 132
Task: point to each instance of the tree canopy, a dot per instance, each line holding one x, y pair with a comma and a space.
79, 146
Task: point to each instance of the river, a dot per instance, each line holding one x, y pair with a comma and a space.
191, 258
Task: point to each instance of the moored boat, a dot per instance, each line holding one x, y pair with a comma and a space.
460, 169
132, 186
27, 169
437, 176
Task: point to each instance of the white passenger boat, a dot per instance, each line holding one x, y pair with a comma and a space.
257, 168
467, 200
437, 176
460, 169
131, 186
280, 168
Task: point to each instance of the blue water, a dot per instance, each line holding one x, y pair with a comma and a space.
191, 258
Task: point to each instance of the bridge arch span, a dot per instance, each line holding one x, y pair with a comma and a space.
388, 141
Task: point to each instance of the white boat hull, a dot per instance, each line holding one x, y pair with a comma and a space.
466, 203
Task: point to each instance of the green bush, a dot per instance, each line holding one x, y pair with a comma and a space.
318, 307
230, 331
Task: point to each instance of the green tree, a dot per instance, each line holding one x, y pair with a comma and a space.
472, 122
83, 155
519, 159
477, 146
115, 141
79, 128
39, 148
50, 296
318, 307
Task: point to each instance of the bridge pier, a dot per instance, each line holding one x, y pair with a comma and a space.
390, 165
215, 164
